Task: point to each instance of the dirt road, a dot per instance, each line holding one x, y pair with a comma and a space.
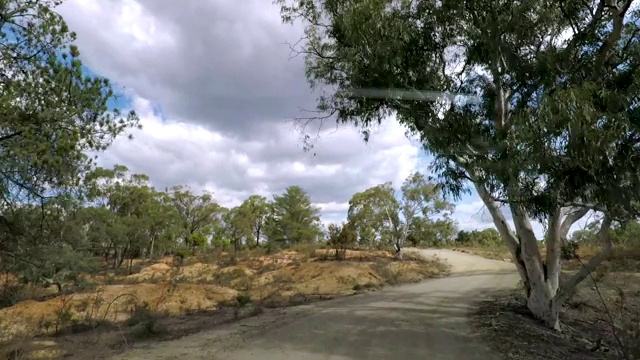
420, 321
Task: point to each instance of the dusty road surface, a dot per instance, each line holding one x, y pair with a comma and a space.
421, 321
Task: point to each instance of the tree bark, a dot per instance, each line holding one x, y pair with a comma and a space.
545, 296
568, 289
398, 250
505, 231
258, 237
153, 241
540, 299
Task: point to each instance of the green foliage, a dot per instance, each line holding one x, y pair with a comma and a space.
551, 107
341, 237
257, 209
294, 219
569, 250
373, 212
628, 233
243, 299
486, 237
197, 214
52, 113
239, 226
426, 232
420, 215
625, 234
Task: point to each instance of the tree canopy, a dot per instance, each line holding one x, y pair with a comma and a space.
53, 114
418, 213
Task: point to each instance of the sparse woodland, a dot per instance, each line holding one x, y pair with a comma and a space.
554, 138
120, 218
62, 216
86, 249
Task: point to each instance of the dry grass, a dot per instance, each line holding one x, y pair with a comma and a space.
622, 259
163, 299
489, 252
601, 321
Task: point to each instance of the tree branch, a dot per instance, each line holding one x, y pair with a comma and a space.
618, 14
588, 206
9, 136
571, 219
591, 26
499, 220
568, 288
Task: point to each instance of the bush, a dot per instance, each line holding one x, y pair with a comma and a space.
10, 295
82, 284
243, 299
569, 250
141, 313
342, 237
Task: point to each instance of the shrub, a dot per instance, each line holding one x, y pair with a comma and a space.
243, 299
569, 250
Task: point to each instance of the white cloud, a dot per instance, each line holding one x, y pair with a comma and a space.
179, 152
221, 73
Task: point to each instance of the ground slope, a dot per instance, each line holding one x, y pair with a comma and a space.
421, 321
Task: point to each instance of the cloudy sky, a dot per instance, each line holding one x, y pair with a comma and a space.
216, 88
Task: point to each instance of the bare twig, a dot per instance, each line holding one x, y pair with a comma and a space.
606, 308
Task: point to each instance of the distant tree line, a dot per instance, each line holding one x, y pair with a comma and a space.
120, 217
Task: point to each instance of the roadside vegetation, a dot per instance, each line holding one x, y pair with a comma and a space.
116, 257
170, 297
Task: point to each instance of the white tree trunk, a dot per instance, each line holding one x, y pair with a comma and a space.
544, 293
400, 233
540, 295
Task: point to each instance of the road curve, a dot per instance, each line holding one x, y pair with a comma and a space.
420, 321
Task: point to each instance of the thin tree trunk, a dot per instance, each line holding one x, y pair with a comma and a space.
116, 257
258, 237
153, 242
121, 256
540, 301
553, 243
505, 231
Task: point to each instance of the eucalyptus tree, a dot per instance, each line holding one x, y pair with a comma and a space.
198, 214
374, 215
257, 209
554, 131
